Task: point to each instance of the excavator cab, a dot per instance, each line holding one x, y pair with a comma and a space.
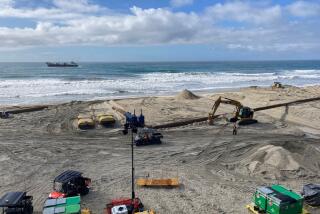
246, 116
245, 112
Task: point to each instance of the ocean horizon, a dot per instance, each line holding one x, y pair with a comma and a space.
27, 83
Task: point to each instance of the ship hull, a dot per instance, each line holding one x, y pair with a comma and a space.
62, 65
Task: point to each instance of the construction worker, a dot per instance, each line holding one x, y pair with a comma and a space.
146, 137
234, 132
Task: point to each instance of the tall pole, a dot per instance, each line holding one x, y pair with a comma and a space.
132, 179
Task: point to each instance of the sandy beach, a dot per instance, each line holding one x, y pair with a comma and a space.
218, 171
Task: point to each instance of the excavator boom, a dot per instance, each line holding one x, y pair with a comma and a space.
215, 107
224, 100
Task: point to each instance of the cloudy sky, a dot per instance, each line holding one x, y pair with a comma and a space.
158, 30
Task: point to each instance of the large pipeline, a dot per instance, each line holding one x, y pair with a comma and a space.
27, 109
287, 104
203, 119
181, 123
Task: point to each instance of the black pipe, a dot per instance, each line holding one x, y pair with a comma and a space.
132, 159
287, 104
27, 109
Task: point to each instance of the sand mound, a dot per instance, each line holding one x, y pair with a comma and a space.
288, 160
273, 156
188, 95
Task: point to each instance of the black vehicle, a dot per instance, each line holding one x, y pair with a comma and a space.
70, 183
311, 194
148, 136
4, 115
16, 203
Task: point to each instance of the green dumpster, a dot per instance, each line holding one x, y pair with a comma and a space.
70, 205
277, 200
260, 197
73, 209
73, 200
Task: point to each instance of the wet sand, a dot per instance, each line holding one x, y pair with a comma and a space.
218, 171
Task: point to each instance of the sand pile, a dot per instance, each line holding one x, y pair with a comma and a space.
188, 95
273, 156
273, 162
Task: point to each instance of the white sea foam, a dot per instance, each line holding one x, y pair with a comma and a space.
16, 91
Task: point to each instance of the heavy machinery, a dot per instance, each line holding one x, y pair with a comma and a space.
311, 194
277, 85
276, 200
243, 115
4, 115
85, 122
70, 183
133, 120
106, 119
16, 203
147, 136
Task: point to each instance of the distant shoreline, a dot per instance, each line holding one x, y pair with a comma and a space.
200, 92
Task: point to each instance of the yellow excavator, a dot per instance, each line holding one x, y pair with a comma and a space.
243, 115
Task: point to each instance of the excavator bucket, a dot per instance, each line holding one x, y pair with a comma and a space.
161, 182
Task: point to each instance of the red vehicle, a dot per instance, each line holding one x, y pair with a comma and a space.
136, 206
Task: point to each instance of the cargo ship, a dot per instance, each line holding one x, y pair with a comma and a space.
62, 64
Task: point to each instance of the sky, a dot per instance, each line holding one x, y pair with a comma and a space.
158, 30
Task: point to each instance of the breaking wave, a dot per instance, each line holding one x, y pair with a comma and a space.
22, 91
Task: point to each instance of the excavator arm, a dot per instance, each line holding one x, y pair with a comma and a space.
223, 100
215, 107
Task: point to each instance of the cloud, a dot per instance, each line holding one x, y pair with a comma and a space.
76, 6
258, 28
180, 3
6, 3
304, 9
38, 14
279, 47
61, 10
150, 26
244, 12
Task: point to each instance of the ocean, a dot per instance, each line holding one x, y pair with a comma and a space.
35, 83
